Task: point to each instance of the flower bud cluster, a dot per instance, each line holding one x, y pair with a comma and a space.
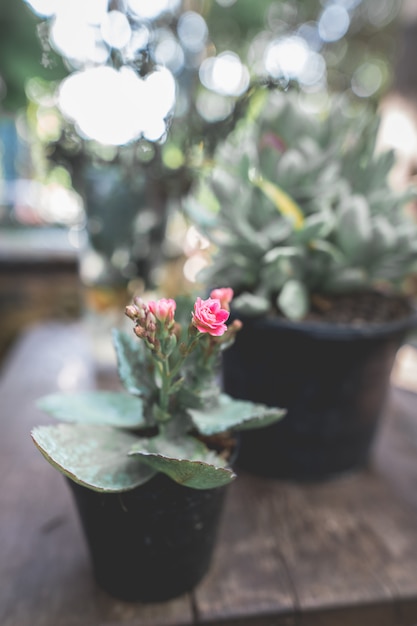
155, 324
173, 357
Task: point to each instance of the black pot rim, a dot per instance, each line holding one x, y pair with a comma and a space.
333, 330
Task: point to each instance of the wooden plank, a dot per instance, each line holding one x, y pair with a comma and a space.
248, 580
330, 554
342, 552
367, 615
395, 453
45, 576
354, 542
33, 294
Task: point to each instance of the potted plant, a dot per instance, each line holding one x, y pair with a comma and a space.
149, 468
319, 250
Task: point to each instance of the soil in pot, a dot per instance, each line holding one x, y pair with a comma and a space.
332, 377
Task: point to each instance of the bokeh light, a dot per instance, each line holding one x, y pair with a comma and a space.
136, 107
115, 29
333, 23
215, 50
43, 8
105, 96
291, 58
192, 31
225, 74
367, 79
151, 10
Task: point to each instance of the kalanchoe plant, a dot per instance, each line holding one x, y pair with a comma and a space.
116, 441
299, 204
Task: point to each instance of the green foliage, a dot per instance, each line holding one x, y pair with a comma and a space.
96, 407
236, 414
22, 54
297, 203
115, 442
96, 457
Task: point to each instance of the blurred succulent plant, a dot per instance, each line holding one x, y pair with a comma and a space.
298, 203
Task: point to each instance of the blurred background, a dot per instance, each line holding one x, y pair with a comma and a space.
107, 108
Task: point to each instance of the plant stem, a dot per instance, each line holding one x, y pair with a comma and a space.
166, 383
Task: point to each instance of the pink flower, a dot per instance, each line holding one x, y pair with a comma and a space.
209, 317
163, 309
224, 294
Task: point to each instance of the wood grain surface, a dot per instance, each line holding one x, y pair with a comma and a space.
339, 553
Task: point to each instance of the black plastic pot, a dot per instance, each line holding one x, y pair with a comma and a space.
332, 380
152, 543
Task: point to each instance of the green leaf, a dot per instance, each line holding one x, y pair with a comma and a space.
132, 364
111, 408
384, 236
187, 461
231, 414
281, 264
349, 278
184, 447
94, 457
326, 248
194, 474
293, 300
277, 231
354, 231
316, 226
282, 253
251, 304
286, 205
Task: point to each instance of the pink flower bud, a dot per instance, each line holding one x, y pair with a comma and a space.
139, 332
163, 309
209, 317
131, 311
150, 320
236, 325
141, 308
224, 294
151, 327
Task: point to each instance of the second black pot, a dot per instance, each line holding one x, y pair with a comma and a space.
333, 382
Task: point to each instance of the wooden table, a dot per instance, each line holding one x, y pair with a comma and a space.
335, 554
39, 279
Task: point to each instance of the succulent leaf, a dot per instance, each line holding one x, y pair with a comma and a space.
282, 201
328, 249
316, 226
281, 264
384, 237
231, 414
354, 229
347, 279
187, 461
293, 300
131, 363
251, 304
109, 408
96, 457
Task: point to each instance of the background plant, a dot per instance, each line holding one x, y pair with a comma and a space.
298, 203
